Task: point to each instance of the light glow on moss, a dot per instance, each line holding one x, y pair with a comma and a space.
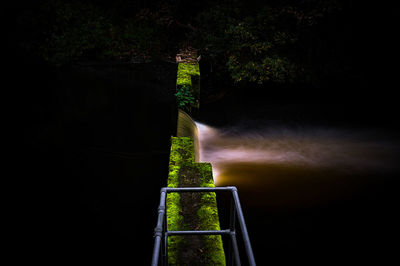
182, 154
189, 75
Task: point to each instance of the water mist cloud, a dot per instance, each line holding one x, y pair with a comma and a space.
345, 150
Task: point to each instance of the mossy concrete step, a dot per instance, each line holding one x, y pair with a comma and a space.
189, 76
192, 211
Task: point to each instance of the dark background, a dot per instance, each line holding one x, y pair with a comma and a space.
95, 155
90, 142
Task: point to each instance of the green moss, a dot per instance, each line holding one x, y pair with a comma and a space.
189, 75
174, 222
185, 73
182, 151
208, 215
182, 155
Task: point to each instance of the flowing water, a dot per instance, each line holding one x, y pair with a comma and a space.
310, 194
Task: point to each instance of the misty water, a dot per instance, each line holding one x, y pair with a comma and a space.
310, 193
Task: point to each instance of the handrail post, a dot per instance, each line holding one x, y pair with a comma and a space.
232, 216
158, 231
165, 255
161, 232
235, 248
165, 248
242, 224
164, 260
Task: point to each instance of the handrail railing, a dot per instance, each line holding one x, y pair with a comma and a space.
161, 233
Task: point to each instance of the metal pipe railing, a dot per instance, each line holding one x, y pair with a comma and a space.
199, 232
243, 227
158, 231
161, 233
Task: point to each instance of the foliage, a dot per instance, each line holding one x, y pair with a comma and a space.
185, 97
188, 85
251, 47
76, 30
245, 40
259, 42
255, 53
210, 36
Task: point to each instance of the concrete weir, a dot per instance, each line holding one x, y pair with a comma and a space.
191, 211
188, 128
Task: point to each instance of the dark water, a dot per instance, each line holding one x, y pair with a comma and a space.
94, 154
312, 192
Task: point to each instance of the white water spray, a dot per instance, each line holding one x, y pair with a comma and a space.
339, 150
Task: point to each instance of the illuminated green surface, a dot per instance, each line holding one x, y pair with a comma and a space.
185, 73
189, 75
209, 220
182, 154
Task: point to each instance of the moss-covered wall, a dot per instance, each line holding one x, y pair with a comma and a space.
189, 75
201, 214
191, 211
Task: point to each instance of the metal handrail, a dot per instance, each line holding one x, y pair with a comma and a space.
161, 233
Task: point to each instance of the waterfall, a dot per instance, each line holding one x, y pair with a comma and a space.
342, 151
